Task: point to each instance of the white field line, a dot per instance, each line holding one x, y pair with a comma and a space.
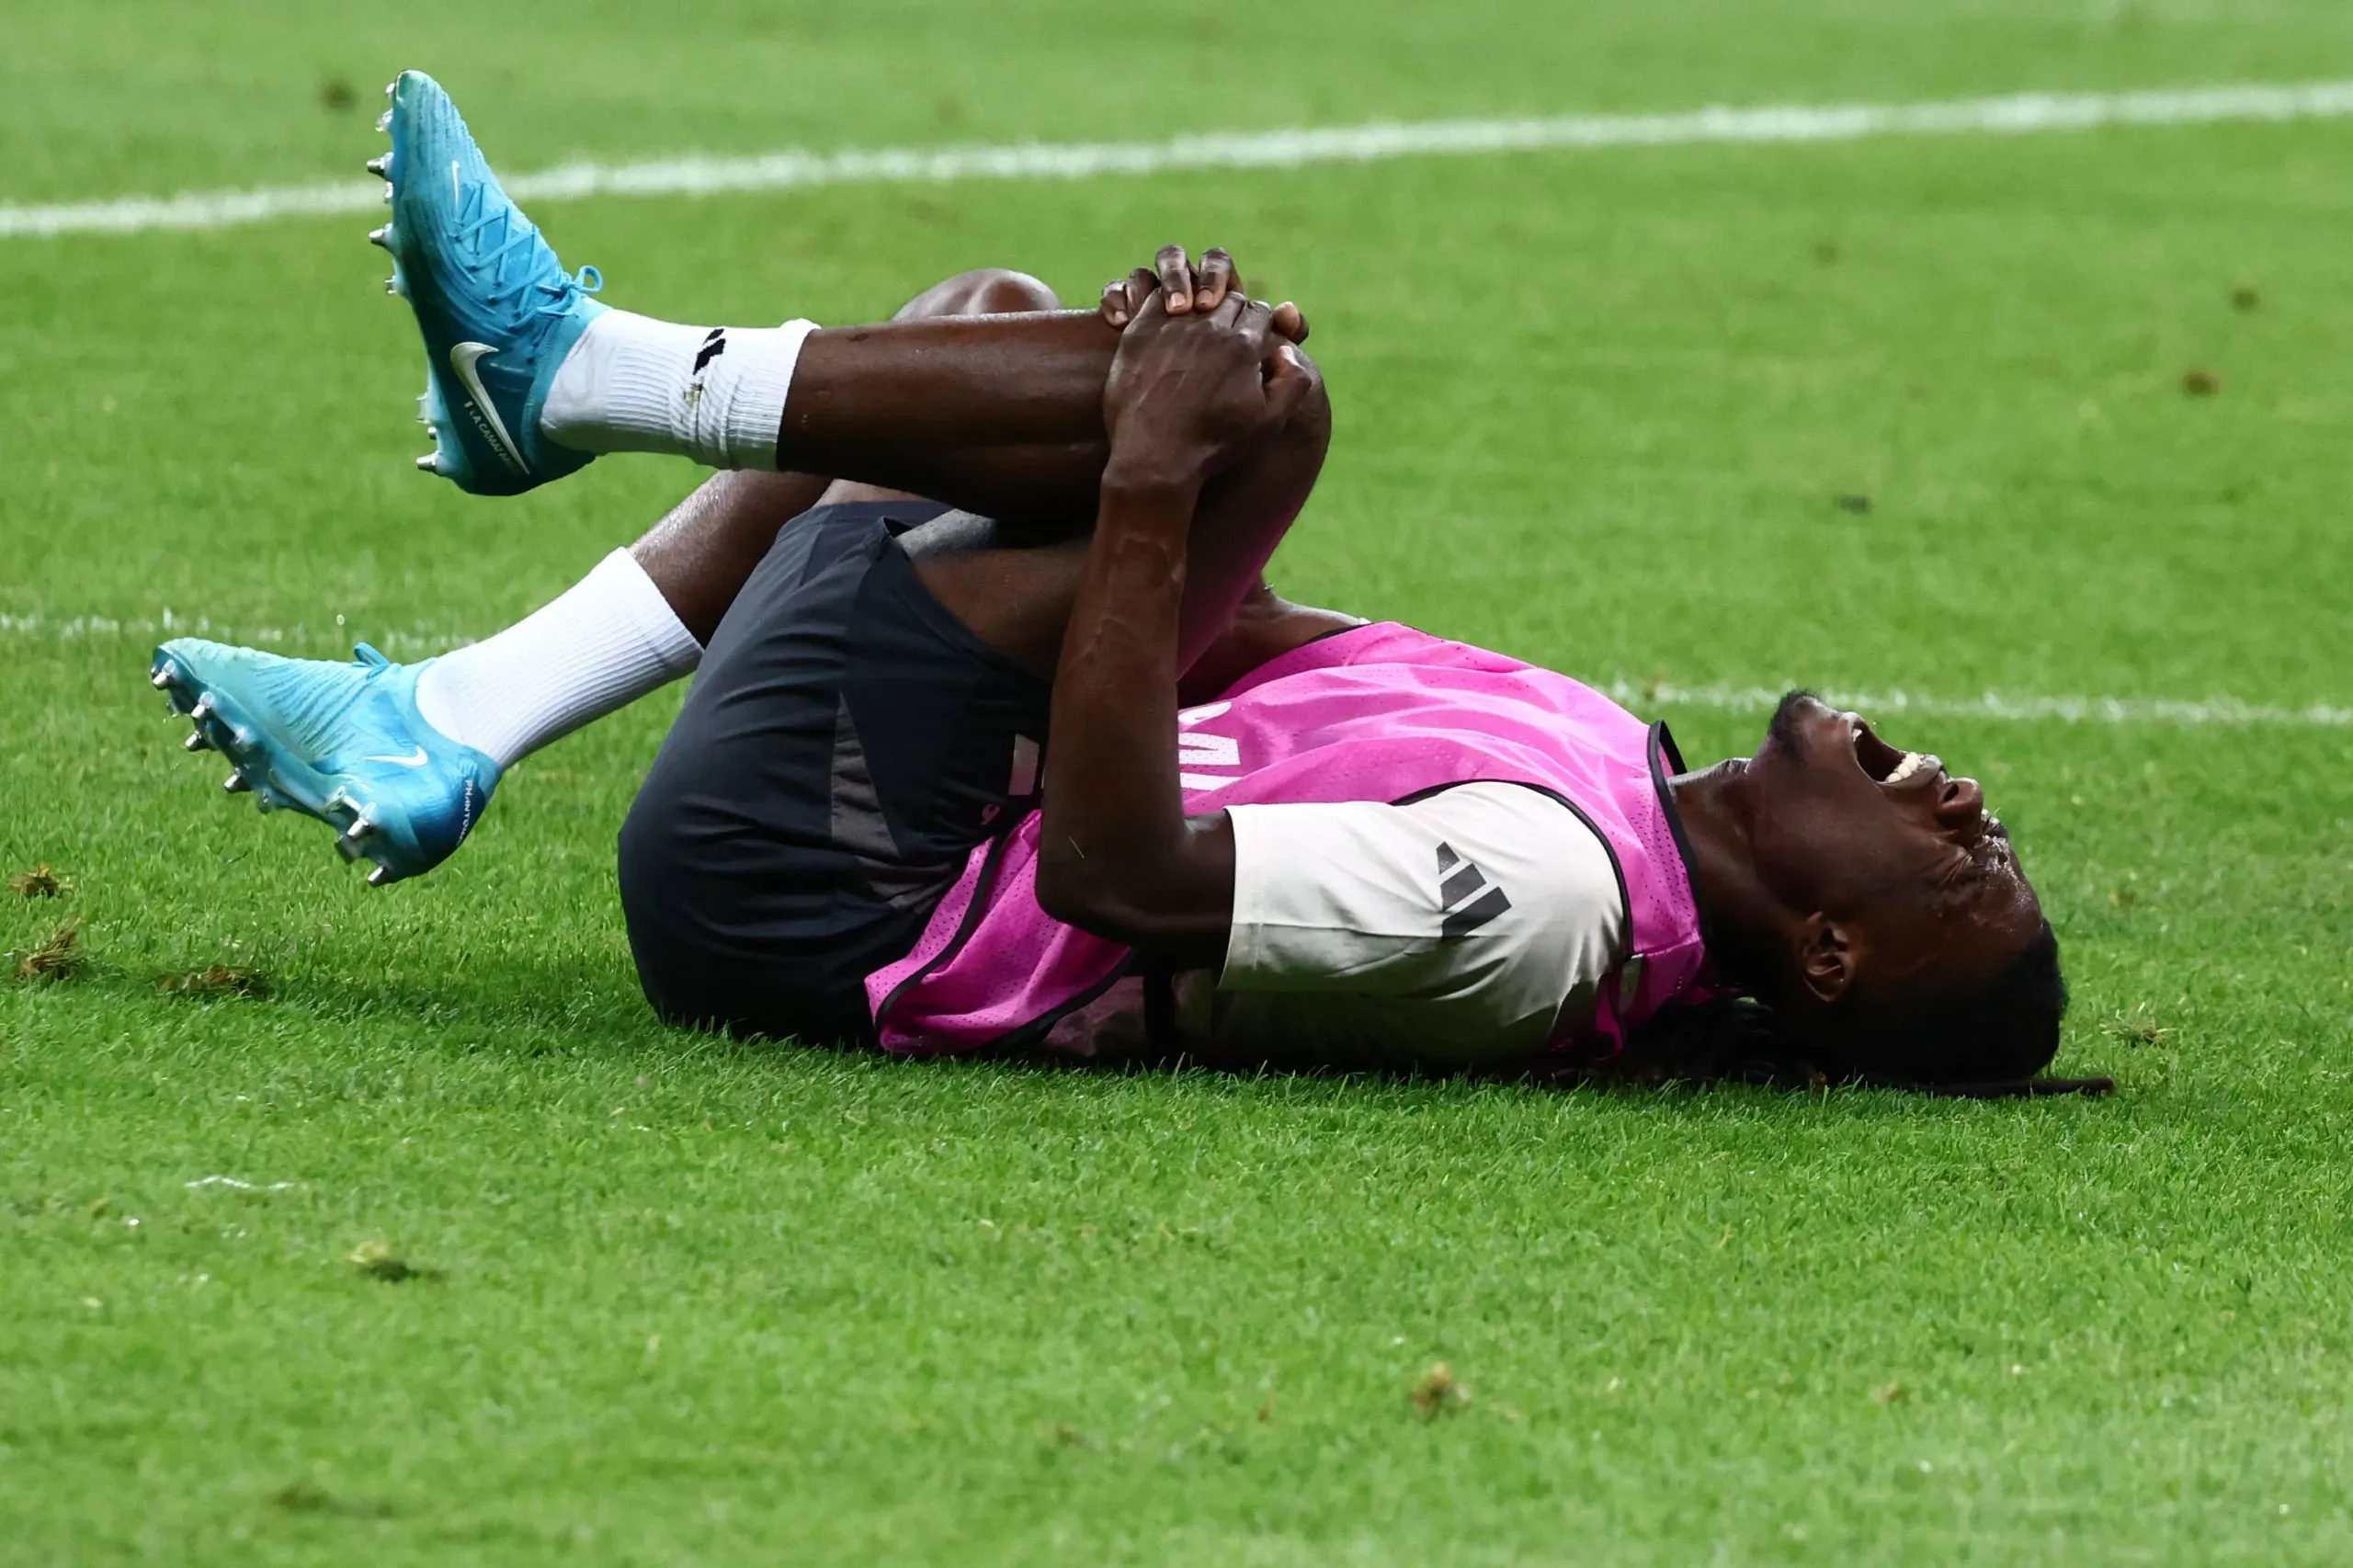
2018, 114
235, 1185
417, 641
2186, 713
1640, 695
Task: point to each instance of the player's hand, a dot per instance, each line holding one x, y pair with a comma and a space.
1189, 394
1189, 289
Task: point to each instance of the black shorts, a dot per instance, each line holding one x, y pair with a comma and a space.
845, 745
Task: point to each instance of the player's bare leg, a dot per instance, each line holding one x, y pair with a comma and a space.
992, 437
699, 555
285, 725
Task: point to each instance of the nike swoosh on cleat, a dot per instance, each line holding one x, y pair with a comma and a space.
417, 761
463, 358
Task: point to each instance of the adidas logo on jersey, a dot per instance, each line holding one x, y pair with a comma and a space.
1469, 899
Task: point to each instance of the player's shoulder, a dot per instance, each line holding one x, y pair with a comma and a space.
1521, 814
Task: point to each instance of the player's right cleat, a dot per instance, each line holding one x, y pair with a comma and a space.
341, 743
497, 311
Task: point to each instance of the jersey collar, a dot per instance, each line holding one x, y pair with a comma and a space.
1666, 761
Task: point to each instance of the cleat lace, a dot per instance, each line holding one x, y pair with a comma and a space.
508, 252
562, 290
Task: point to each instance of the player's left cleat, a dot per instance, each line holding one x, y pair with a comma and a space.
341, 743
497, 311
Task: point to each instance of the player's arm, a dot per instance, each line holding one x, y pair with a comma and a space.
1118, 854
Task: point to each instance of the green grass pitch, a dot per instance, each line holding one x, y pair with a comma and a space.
675, 1301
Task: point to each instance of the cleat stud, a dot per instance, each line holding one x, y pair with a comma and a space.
391, 87
429, 463
203, 709
161, 678
197, 742
236, 784
359, 829
380, 164
380, 876
382, 236
385, 121
388, 193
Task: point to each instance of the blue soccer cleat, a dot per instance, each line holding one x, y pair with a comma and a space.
497, 311
341, 743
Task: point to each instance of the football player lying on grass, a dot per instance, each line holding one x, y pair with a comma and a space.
1261, 832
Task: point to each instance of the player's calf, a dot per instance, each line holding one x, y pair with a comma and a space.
401, 760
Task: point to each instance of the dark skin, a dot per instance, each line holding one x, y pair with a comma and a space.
1141, 462
980, 395
1836, 891
1190, 395
1842, 898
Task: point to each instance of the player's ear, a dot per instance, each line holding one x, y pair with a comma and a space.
1826, 958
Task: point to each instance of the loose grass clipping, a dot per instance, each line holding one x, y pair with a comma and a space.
1439, 1392
378, 1261
38, 882
58, 959
220, 980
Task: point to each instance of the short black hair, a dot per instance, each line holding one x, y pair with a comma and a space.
2003, 1032
1995, 1038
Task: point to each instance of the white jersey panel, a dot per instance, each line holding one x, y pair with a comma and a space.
1465, 926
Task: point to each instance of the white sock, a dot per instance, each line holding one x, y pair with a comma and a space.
715, 394
605, 642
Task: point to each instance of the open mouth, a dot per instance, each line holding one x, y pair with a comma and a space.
1882, 762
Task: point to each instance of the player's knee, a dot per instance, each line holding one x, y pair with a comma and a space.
984, 291
1311, 423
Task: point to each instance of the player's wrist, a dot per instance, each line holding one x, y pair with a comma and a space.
1150, 476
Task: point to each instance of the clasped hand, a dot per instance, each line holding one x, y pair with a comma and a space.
1202, 372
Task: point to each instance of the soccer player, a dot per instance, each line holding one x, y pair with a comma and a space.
1261, 832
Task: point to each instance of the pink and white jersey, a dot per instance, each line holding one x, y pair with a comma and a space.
1378, 714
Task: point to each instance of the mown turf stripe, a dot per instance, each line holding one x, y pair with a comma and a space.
2017, 114
1644, 695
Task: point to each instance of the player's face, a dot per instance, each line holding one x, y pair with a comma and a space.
1888, 842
